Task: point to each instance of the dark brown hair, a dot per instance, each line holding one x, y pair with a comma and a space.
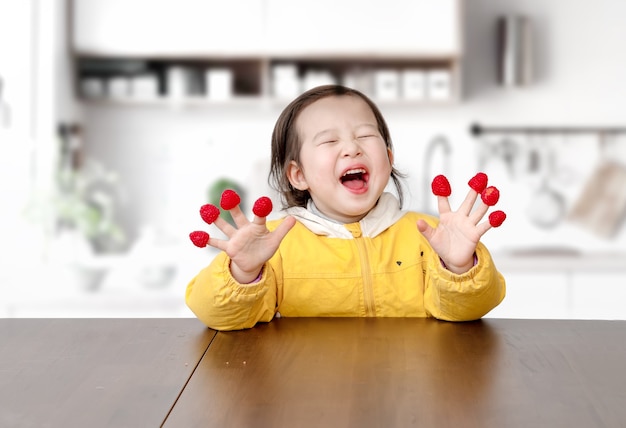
286, 145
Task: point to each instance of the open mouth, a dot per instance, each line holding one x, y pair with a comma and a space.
355, 179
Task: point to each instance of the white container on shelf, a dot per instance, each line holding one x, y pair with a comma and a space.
359, 79
178, 82
314, 78
413, 84
285, 81
439, 84
387, 84
92, 87
219, 83
144, 86
119, 87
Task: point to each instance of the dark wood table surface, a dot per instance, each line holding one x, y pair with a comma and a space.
307, 372
410, 372
95, 372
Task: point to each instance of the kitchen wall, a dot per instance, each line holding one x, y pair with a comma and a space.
167, 157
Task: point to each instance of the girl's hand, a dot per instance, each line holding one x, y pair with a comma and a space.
250, 244
458, 233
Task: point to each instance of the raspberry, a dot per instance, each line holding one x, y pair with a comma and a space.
496, 218
230, 199
441, 186
262, 207
209, 213
199, 238
490, 195
478, 182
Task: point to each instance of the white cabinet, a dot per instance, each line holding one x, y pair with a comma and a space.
417, 27
190, 27
377, 47
534, 295
564, 294
599, 295
166, 27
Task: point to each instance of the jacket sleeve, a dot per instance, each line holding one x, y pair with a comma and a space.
222, 303
464, 297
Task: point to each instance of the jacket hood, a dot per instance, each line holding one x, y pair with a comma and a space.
384, 214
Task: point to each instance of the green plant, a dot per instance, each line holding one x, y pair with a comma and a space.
85, 201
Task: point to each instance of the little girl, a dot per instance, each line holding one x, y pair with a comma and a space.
345, 248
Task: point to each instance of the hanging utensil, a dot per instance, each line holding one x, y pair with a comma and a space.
601, 206
547, 206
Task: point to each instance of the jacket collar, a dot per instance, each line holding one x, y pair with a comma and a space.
384, 214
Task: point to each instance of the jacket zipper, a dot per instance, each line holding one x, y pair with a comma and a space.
366, 273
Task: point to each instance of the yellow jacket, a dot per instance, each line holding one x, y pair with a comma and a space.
381, 266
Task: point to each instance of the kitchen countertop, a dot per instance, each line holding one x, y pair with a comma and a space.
559, 260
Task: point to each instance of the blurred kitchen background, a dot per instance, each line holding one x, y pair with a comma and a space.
120, 118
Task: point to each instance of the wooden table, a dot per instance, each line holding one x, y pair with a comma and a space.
306, 372
95, 372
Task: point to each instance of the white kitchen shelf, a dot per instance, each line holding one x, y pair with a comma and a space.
251, 37
252, 80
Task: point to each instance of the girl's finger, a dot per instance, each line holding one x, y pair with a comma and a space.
283, 228
259, 220
483, 227
478, 213
225, 227
443, 204
468, 203
426, 229
238, 216
220, 244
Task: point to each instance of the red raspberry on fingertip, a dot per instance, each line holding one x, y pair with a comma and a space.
229, 200
478, 182
262, 207
441, 186
199, 238
209, 213
496, 218
490, 195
